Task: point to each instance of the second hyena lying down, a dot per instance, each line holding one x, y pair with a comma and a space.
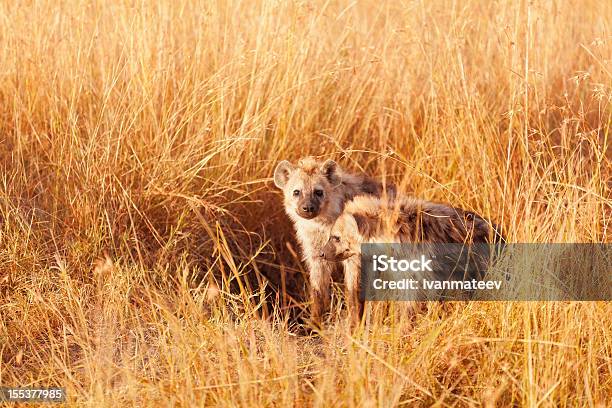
400, 220
315, 193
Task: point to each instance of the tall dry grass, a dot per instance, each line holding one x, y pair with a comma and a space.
148, 131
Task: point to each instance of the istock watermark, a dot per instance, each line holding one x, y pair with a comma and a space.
510, 272
385, 263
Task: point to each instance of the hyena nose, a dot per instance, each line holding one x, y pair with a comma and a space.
308, 208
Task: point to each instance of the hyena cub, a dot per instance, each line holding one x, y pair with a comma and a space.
399, 220
315, 193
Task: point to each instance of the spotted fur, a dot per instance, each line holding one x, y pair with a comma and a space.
398, 220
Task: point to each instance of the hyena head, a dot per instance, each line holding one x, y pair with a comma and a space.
310, 188
344, 240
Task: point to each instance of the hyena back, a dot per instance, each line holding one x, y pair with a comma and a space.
315, 194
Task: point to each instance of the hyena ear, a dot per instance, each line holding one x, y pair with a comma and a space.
282, 172
330, 170
362, 224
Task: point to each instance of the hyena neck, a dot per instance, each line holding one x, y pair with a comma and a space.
312, 227
354, 261
312, 236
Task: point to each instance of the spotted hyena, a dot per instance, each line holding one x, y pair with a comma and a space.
400, 220
315, 193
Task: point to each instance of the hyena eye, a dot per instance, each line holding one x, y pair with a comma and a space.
296, 193
319, 193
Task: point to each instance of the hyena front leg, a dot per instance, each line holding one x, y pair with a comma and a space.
352, 283
320, 286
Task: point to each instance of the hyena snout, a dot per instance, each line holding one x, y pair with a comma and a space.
308, 209
329, 253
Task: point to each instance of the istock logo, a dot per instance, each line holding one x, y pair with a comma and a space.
383, 263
